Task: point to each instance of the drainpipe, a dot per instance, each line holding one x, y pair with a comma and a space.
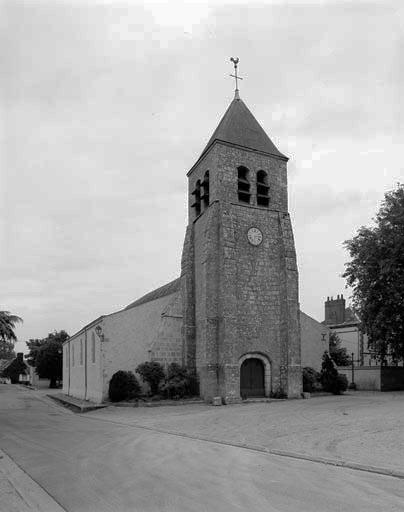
85, 364
68, 367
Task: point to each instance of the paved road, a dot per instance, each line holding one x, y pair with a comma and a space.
88, 464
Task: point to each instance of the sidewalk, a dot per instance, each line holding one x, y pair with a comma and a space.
20, 493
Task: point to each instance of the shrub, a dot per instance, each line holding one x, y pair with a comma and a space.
278, 394
152, 373
332, 381
311, 380
123, 386
180, 382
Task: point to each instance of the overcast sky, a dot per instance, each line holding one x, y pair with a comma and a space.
106, 106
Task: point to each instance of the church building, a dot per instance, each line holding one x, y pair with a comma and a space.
233, 315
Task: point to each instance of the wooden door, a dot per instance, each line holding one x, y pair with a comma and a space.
252, 378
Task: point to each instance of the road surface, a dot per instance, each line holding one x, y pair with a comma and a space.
88, 464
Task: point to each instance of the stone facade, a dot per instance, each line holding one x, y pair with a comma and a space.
238, 298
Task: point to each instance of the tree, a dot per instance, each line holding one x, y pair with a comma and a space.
34, 346
376, 275
338, 354
152, 373
46, 356
7, 350
331, 380
7, 335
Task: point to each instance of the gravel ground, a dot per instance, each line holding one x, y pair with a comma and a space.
361, 427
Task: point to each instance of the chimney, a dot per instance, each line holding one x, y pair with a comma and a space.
334, 310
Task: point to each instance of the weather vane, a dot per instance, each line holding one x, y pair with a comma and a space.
235, 62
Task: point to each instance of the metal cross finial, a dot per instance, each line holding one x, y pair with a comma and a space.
235, 62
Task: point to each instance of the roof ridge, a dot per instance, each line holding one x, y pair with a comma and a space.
162, 291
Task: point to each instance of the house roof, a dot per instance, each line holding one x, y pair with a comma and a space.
4, 363
167, 289
238, 126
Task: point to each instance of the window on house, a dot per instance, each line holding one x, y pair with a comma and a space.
73, 353
66, 356
262, 189
81, 352
243, 185
92, 348
197, 198
205, 190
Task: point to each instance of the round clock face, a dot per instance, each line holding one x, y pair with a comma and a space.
254, 236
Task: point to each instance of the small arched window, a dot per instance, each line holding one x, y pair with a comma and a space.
92, 347
197, 198
243, 184
205, 192
262, 189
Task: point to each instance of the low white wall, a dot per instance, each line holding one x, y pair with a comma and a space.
367, 378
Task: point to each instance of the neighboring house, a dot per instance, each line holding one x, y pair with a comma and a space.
367, 373
344, 322
5, 363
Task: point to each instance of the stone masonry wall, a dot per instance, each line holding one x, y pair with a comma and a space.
245, 297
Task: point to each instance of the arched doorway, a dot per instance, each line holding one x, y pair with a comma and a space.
252, 378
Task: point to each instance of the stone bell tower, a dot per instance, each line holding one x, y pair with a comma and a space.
239, 279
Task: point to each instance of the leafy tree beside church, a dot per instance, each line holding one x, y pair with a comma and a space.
376, 274
46, 355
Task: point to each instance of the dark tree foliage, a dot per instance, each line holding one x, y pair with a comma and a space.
311, 380
152, 373
123, 386
7, 335
179, 382
331, 380
34, 346
47, 356
376, 275
338, 354
7, 350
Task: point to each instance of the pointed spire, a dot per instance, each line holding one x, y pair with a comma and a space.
238, 126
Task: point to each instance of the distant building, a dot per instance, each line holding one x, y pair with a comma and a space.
5, 363
344, 322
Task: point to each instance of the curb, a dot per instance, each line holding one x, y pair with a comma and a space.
33, 497
66, 402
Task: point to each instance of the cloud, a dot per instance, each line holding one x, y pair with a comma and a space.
107, 106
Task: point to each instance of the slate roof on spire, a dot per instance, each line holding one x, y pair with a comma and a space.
239, 127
